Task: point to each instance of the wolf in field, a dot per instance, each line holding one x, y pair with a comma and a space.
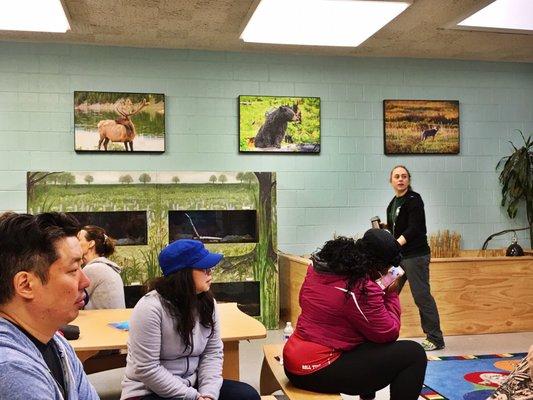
429, 132
272, 132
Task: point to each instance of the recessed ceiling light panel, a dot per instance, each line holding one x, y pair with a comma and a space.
33, 15
503, 14
345, 23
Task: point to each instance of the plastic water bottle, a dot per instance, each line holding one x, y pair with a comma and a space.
287, 332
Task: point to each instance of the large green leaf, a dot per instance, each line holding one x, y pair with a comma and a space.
516, 179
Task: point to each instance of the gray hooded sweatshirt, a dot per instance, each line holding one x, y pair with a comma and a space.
158, 361
24, 374
106, 289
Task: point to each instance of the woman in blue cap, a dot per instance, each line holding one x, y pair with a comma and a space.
174, 346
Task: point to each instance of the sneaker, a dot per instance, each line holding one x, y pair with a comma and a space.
428, 345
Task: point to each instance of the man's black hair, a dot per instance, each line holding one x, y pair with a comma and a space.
28, 243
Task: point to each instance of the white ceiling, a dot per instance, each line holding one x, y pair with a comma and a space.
420, 32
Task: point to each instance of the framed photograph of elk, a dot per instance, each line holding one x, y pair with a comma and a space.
279, 124
119, 122
421, 126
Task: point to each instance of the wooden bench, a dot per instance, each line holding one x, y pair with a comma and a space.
273, 378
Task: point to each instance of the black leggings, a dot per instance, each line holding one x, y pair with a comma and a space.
371, 367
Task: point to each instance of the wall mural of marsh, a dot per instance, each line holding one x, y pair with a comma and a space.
158, 193
119, 122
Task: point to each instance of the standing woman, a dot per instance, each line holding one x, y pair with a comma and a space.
407, 222
106, 289
174, 346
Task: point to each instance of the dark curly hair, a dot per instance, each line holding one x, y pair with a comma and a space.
348, 257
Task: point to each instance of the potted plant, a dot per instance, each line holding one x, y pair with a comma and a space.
516, 179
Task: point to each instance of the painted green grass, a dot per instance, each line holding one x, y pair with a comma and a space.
156, 199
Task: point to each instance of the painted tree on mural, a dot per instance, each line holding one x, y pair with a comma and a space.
127, 179
145, 178
34, 178
265, 270
264, 257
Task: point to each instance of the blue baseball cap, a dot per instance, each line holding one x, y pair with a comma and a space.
186, 253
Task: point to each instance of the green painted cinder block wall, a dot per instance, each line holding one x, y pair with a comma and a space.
334, 192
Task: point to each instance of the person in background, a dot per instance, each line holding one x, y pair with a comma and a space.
407, 222
346, 335
174, 348
519, 383
41, 289
106, 289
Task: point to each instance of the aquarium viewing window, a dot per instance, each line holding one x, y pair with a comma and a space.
128, 228
213, 226
245, 294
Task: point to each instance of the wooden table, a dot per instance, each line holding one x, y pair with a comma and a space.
97, 335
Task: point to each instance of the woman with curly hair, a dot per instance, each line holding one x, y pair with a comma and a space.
345, 338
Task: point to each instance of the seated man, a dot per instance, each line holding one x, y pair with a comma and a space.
41, 288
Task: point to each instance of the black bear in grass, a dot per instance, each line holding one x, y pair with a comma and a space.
272, 132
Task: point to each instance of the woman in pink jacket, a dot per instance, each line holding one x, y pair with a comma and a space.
346, 336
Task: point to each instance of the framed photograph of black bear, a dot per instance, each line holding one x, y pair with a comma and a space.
119, 122
421, 126
279, 124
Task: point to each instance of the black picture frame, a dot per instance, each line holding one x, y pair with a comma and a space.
279, 124
421, 127
92, 108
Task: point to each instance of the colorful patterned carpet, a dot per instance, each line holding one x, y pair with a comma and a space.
467, 377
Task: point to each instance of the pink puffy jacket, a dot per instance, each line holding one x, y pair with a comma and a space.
332, 318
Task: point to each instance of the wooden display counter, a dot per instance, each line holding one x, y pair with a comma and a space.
475, 295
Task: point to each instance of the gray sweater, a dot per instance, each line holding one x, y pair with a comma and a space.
106, 289
159, 363
24, 374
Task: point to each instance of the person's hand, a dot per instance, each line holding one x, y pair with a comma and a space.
530, 361
204, 398
401, 240
393, 287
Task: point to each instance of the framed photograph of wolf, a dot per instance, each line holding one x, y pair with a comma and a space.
421, 126
119, 122
277, 124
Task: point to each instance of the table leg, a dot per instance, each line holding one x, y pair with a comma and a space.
267, 381
84, 355
230, 369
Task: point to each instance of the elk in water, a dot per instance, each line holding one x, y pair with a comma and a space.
121, 129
